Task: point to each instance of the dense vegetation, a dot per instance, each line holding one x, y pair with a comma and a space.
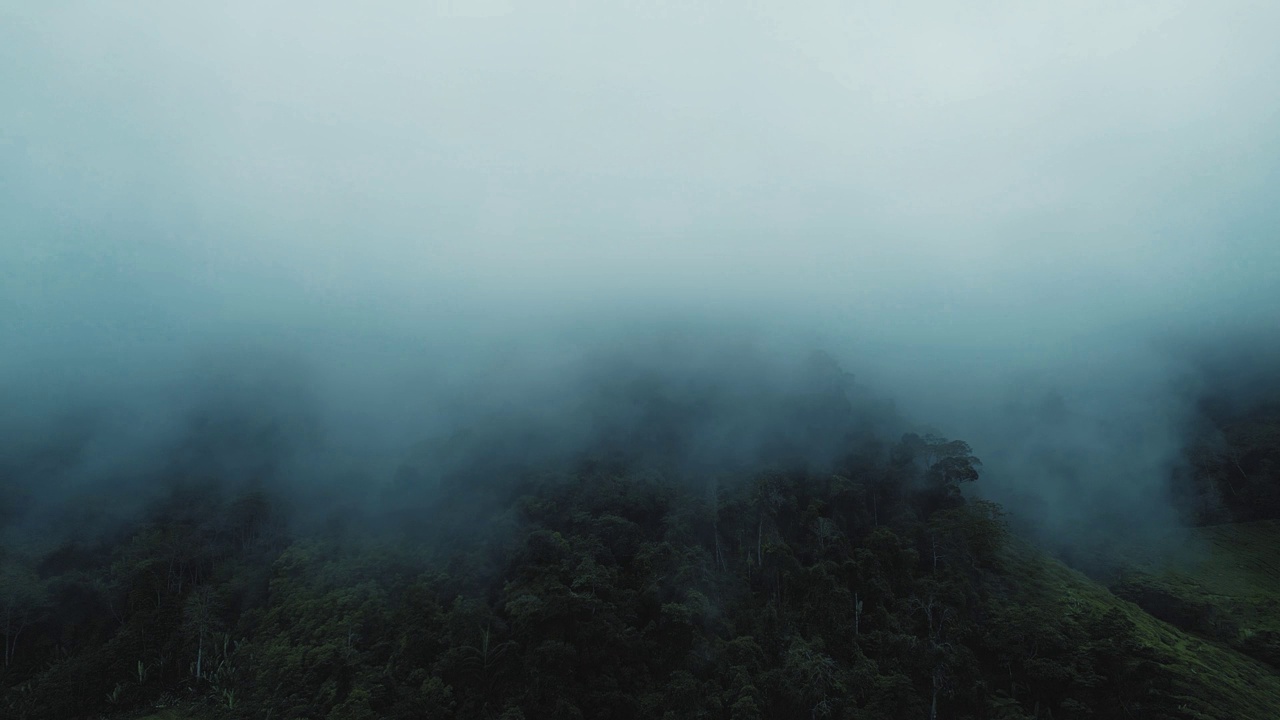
1234, 465
621, 582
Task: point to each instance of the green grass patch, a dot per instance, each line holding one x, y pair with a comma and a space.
1206, 678
1220, 582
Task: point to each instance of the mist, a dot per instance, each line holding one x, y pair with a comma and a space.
302, 239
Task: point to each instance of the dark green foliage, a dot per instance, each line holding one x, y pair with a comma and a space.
1233, 468
870, 591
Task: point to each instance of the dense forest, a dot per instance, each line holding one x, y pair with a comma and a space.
828, 561
1233, 469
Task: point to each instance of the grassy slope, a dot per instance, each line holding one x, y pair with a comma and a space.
1243, 560
1223, 586
1240, 560
1211, 679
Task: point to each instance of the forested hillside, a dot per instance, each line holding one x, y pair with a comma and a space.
1234, 466
450, 359
626, 579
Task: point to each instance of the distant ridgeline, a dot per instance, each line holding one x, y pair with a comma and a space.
1233, 463
1232, 469
704, 549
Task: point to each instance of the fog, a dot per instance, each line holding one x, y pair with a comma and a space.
1022, 223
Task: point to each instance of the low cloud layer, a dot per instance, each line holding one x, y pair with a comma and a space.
1008, 218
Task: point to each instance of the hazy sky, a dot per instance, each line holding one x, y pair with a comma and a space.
950, 195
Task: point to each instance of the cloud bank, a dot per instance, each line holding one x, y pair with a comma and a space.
1002, 215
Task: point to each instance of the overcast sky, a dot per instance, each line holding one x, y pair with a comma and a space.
949, 195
